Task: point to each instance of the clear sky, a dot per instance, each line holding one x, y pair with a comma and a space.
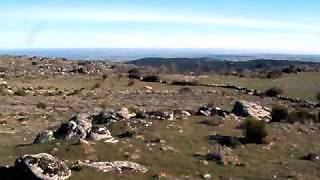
266, 25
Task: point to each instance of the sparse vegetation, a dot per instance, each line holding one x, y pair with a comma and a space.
131, 83
255, 131
162, 145
97, 85
279, 113
185, 90
274, 91
301, 116
185, 83
41, 105
20, 92
104, 76
151, 78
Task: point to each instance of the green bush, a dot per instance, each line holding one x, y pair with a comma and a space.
20, 92
301, 116
151, 78
272, 92
255, 131
134, 71
185, 83
41, 105
279, 113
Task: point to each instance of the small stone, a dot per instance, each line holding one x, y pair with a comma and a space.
206, 176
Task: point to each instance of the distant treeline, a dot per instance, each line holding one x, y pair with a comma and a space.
207, 65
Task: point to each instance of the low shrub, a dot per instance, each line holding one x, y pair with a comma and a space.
279, 113
255, 131
301, 116
104, 76
41, 105
134, 76
134, 71
151, 78
184, 83
97, 85
273, 92
20, 92
185, 90
274, 74
131, 83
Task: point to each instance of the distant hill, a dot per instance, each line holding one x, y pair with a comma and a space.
201, 65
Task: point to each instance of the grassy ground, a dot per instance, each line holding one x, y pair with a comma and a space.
188, 137
304, 85
181, 138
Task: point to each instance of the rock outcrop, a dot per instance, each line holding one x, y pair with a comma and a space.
211, 111
245, 108
44, 137
41, 166
81, 126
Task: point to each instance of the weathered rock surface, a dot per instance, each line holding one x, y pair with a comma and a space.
115, 166
81, 126
100, 133
245, 108
211, 111
125, 114
42, 166
78, 127
44, 137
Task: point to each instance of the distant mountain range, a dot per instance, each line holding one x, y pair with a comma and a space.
201, 65
125, 54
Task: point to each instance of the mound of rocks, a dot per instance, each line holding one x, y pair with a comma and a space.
245, 108
115, 166
81, 126
211, 111
41, 166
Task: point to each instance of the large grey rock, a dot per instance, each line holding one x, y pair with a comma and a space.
100, 133
125, 113
42, 167
245, 108
78, 127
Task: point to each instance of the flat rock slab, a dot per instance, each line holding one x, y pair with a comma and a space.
115, 166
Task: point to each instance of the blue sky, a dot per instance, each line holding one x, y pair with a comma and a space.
264, 25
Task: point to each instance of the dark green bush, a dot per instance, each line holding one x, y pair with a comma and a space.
301, 116
41, 105
134, 71
185, 83
151, 78
255, 131
20, 92
279, 113
272, 92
